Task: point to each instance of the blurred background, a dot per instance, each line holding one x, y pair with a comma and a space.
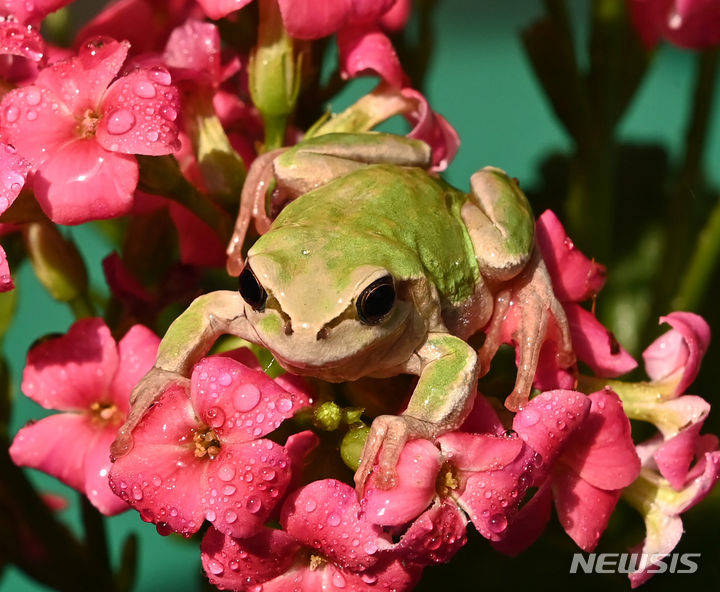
479, 77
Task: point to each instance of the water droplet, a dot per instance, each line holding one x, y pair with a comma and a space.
230, 516
159, 75
153, 136
137, 492
216, 417
333, 519
226, 473
120, 122
215, 567
145, 90
225, 379
310, 505
528, 417
338, 580
498, 523
33, 97
253, 505
284, 405
268, 474
228, 489
210, 515
246, 397
31, 115
369, 578
168, 113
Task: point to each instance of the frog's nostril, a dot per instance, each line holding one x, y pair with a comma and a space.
322, 334
287, 327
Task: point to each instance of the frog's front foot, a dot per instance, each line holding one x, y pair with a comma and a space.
387, 437
144, 395
530, 312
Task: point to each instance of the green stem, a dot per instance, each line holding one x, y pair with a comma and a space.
703, 262
682, 208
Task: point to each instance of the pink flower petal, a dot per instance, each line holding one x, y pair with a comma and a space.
20, 40
195, 46
595, 345
298, 447
549, 376
138, 114
583, 509
138, 350
602, 451
309, 19
575, 278
32, 11
33, 126
217, 9
45, 446
6, 281
235, 564
549, 419
322, 514
694, 24
480, 452
397, 16
82, 182
436, 535
80, 82
483, 418
97, 471
239, 403
244, 483
199, 244
679, 350
674, 456
366, 50
491, 498
417, 471
13, 172
433, 129
161, 477
120, 19
73, 371
528, 524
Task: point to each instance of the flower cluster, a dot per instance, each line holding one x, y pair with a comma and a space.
162, 120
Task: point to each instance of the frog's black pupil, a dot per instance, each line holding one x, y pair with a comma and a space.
376, 301
251, 290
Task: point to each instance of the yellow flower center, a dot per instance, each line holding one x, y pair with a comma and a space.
206, 443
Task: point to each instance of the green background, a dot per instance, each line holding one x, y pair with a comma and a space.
481, 81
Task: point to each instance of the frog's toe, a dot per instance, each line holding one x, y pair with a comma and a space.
381, 453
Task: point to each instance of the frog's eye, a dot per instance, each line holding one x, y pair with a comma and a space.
376, 301
251, 290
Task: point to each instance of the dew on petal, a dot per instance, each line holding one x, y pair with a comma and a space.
230, 516
120, 122
144, 90
253, 505
284, 405
160, 75
226, 473
12, 113
246, 397
498, 523
333, 519
33, 97
338, 580
215, 567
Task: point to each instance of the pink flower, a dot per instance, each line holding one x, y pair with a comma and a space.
662, 504
672, 361
586, 481
13, 172
119, 20
325, 544
79, 130
484, 475
575, 279
30, 12
694, 24
362, 43
88, 376
203, 456
23, 50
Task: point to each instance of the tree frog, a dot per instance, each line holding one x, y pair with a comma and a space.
375, 267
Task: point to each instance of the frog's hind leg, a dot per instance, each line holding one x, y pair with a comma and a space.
252, 207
